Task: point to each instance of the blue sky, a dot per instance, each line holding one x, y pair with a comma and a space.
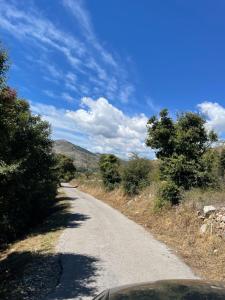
97, 70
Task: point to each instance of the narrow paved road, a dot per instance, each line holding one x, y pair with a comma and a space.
101, 248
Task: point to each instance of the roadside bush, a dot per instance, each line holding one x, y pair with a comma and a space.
65, 167
135, 175
109, 167
168, 194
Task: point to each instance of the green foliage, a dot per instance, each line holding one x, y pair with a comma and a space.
161, 134
3, 65
211, 169
65, 167
168, 193
178, 169
28, 179
109, 168
182, 146
135, 175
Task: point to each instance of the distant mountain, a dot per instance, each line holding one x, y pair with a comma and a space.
83, 159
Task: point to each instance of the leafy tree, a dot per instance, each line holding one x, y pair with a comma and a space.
181, 145
192, 139
65, 167
109, 168
135, 175
161, 134
28, 180
3, 65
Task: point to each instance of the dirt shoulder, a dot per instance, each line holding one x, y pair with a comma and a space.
177, 227
29, 268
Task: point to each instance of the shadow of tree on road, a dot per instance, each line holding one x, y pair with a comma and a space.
61, 217
32, 270
78, 280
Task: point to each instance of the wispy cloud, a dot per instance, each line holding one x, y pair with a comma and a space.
77, 8
84, 54
67, 97
155, 108
49, 93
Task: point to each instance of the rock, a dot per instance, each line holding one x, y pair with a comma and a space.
209, 209
223, 219
203, 228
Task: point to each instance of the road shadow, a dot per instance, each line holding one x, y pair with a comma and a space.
64, 198
61, 217
35, 276
78, 278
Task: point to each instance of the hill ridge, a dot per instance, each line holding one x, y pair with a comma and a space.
83, 159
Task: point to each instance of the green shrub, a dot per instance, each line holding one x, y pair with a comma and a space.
135, 175
168, 193
109, 167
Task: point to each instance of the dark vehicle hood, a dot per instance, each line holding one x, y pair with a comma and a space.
167, 290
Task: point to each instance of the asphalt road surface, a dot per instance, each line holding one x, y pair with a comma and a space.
101, 248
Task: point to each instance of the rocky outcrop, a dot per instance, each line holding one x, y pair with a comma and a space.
213, 221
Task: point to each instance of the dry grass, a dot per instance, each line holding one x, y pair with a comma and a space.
199, 197
177, 227
30, 269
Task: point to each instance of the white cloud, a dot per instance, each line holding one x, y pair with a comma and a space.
99, 126
215, 114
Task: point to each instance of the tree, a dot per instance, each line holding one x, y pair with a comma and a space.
109, 168
181, 145
135, 175
3, 66
161, 134
28, 180
65, 167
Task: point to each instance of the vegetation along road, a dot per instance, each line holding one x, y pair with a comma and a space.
101, 248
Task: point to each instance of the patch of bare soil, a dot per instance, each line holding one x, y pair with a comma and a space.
177, 227
30, 268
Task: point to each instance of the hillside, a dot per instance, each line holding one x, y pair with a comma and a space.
83, 159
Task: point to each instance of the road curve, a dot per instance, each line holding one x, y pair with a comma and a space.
101, 248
